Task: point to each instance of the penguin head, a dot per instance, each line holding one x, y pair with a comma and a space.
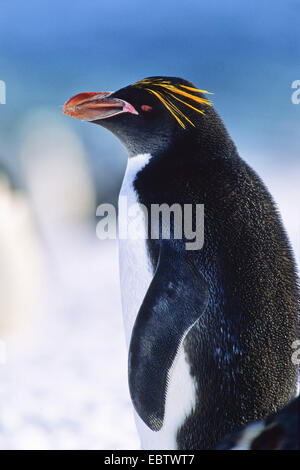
148, 116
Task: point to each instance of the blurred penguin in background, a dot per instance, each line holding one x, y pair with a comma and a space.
21, 270
57, 174
280, 431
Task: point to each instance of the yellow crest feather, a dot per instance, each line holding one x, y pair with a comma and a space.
166, 91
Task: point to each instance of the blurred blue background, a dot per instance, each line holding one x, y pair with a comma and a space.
247, 54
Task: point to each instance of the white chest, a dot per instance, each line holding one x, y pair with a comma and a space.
135, 269
135, 277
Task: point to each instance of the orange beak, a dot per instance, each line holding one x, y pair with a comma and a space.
97, 105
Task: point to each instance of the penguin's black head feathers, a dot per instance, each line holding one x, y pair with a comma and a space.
147, 115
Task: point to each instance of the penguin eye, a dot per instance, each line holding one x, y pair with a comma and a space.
146, 108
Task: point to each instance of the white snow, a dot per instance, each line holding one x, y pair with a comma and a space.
65, 387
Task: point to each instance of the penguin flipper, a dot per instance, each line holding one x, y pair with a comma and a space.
177, 296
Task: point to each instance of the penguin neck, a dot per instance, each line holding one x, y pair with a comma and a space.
193, 146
